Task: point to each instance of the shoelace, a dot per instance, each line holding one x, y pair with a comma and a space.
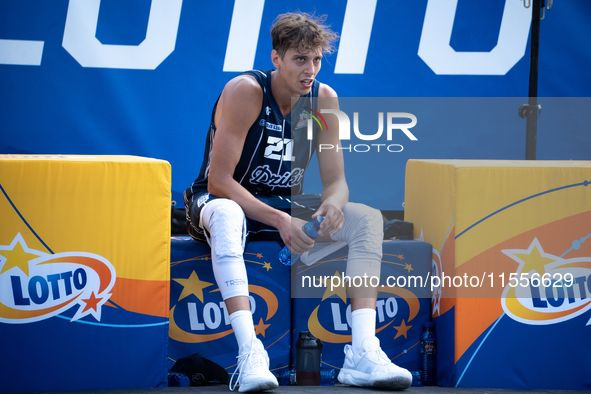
255, 358
241, 360
376, 355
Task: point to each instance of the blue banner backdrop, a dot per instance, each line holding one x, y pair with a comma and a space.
139, 77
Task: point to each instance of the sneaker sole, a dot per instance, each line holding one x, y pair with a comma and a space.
258, 386
355, 378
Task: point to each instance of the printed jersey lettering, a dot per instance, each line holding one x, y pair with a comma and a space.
263, 175
270, 126
279, 149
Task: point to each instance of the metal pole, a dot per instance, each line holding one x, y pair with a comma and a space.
532, 110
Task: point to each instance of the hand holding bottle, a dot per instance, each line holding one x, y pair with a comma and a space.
311, 230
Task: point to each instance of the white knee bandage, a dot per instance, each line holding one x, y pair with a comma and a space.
225, 227
363, 230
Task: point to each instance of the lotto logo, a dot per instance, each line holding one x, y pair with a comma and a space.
35, 285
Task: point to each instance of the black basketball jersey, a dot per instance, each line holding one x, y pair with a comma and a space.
275, 155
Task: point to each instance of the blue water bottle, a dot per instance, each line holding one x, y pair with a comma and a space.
286, 377
328, 377
428, 355
177, 379
311, 230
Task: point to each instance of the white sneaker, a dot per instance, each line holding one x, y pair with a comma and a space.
370, 367
253, 369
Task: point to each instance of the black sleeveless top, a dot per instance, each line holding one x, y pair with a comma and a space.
275, 155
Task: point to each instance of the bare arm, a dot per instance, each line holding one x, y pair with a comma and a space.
238, 108
335, 192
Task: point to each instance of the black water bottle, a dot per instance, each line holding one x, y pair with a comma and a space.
428, 355
308, 357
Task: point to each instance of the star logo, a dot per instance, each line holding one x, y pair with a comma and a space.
261, 327
402, 330
17, 255
532, 259
340, 291
192, 285
91, 303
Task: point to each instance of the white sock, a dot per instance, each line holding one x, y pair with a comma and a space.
363, 325
243, 326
